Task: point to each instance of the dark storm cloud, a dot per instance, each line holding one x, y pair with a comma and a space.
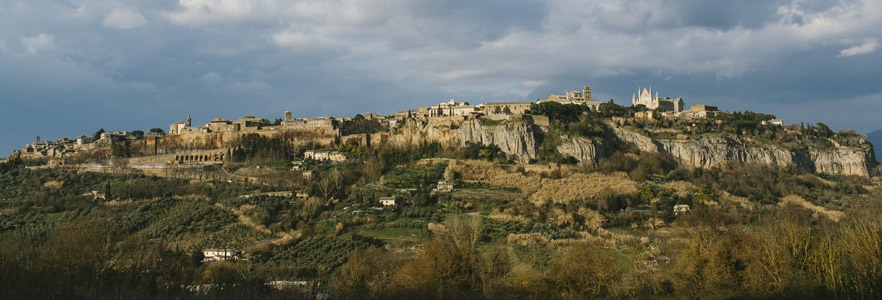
71, 67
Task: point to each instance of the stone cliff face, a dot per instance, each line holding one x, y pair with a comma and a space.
843, 161
585, 150
710, 152
517, 139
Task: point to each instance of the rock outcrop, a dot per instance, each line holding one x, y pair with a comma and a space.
712, 151
585, 150
518, 139
515, 138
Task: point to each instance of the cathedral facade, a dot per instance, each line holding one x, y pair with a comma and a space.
645, 97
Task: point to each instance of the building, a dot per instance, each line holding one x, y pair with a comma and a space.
444, 186
450, 108
336, 156
326, 126
773, 122
572, 97
701, 111
681, 208
220, 254
220, 125
96, 195
180, 127
324, 155
645, 115
517, 108
388, 201
56, 149
575, 97
114, 136
646, 98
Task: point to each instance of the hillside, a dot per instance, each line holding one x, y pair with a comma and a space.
595, 137
564, 202
635, 224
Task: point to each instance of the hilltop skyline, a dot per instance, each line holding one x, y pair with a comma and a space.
69, 68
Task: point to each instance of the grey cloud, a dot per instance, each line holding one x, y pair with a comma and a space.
342, 57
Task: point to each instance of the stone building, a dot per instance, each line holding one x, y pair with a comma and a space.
220, 254
701, 111
444, 186
450, 108
646, 98
325, 126
517, 108
574, 97
388, 201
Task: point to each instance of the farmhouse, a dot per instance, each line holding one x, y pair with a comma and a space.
388, 201
220, 254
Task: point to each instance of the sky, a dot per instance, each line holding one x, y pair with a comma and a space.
70, 67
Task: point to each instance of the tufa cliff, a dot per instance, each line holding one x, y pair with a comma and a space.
517, 138
712, 151
520, 140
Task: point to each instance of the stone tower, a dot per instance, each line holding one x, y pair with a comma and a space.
586, 93
287, 116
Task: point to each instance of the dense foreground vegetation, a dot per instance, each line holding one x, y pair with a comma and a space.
753, 231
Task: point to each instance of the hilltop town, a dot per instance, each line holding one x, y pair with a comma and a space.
183, 137
565, 190
651, 122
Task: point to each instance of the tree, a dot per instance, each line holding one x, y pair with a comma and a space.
824, 131
610, 109
507, 110
559, 112
330, 183
137, 134
639, 108
97, 135
157, 131
497, 110
464, 232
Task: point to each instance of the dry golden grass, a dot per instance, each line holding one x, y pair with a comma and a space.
53, 184
541, 190
560, 217
682, 188
506, 217
436, 228
593, 219
797, 200
118, 202
743, 202
528, 239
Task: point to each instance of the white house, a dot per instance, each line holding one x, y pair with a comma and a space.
388, 201
220, 254
444, 186
681, 208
